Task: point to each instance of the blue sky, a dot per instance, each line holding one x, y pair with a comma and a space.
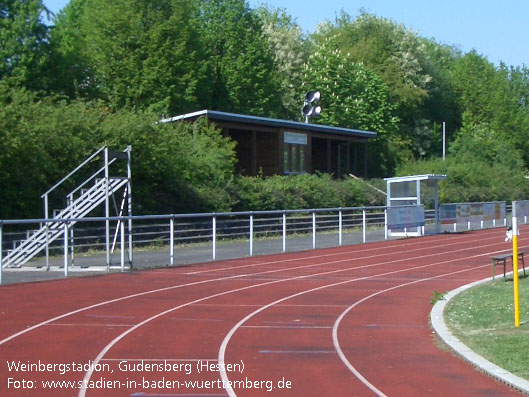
497, 29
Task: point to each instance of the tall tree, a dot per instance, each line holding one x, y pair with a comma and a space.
397, 55
72, 74
290, 49
141, 53
24, 47
355, 97
487, 95
242, 74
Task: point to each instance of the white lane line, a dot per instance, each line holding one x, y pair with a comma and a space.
287, 326
229, 335
336, 342
107, 316
96, 305
161, 359
87, 325
297, 351
360, 251
82, 391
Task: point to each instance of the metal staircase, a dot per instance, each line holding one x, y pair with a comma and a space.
92, 193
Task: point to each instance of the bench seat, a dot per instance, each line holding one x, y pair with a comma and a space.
502, 258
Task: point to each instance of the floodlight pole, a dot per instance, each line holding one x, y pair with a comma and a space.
444, 140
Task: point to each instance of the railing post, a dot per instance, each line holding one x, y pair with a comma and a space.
72, 246
251, 234
313, 229
385, 223
129, 201
214, 237
284, 231
1, 261
122, 230
171, 241
65, 249
340, 227
107, 209
47, 233
364, 225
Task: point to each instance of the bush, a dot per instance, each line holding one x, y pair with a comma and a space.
179, 167
301, 191
472, 180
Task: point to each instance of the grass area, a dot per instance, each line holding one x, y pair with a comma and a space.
483, 319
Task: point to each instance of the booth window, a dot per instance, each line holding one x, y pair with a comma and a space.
294, 152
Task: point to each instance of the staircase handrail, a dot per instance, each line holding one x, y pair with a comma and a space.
89, 179
73, 172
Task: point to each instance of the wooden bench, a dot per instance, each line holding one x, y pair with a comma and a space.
503, 259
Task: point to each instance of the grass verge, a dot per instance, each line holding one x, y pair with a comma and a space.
483, 319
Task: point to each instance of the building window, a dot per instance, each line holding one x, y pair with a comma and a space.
294, 152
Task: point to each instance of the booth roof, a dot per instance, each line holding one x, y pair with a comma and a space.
278, 123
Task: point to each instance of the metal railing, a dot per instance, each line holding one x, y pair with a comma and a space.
272, 231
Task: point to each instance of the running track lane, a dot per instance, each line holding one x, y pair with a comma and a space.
346, 321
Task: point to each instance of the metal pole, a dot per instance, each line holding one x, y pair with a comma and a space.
72, 246
129, 200
251, 235
385, 223
444, 140
313, 229
363, 226
47, 233
340, 228
284, 232
419, 228
65, 249
516, 294
171, 241
122, 229
214, 237
436, 205
107, 209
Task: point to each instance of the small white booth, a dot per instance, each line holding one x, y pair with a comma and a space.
407, 191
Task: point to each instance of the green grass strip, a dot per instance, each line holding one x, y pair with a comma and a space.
483, 319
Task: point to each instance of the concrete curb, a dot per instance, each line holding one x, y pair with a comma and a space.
464, 351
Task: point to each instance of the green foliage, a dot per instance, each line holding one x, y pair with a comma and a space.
176, 167
241, 72
24, 51
486, 96
107, 70
301, 191
290, 51
479, 168
354, 97
142, 52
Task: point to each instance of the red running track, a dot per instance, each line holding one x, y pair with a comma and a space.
349, 321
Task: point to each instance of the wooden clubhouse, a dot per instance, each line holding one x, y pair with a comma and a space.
273, 146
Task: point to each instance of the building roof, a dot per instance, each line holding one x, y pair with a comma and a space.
410, 178
277, 123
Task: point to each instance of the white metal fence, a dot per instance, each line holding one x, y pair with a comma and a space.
175, 239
